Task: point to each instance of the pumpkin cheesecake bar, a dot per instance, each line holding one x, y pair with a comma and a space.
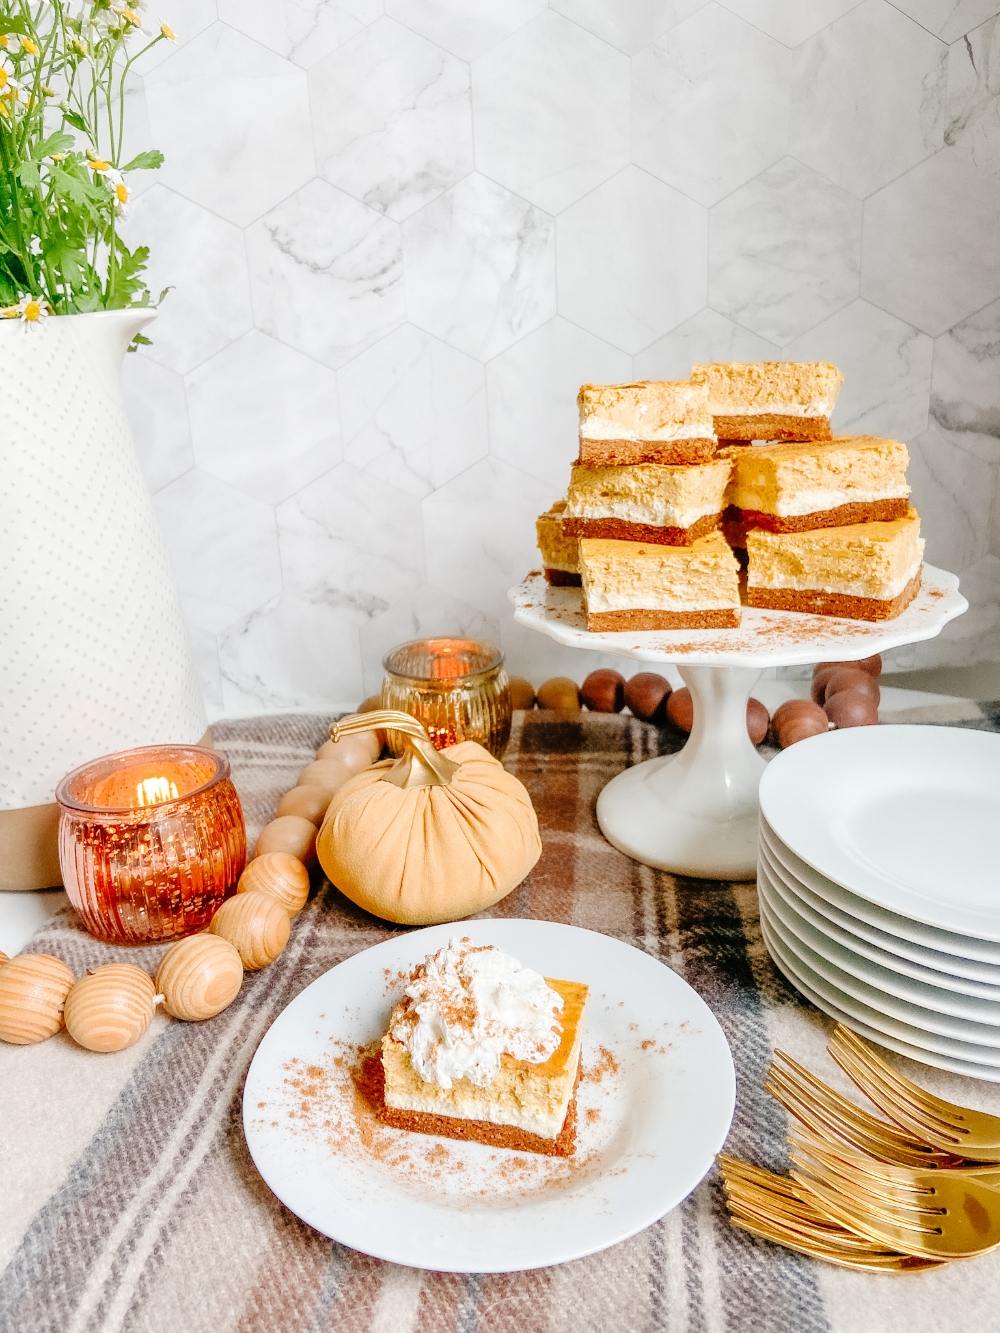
648, 502
831, 484
866, 571
770, 400
651, 421
644, 585
484, 1049
560, 553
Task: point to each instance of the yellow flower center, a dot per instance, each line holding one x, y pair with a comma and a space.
28, 45
33, 311
4, 41
3, 77
132, 16
122, 193
168, 32
97, 164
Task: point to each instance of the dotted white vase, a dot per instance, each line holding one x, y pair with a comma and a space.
94, 655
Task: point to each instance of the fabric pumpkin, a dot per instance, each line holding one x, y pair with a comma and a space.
423, 854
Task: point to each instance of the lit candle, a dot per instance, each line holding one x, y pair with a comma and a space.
151, 841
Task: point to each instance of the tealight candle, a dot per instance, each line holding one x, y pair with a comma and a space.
456, 687
151, 841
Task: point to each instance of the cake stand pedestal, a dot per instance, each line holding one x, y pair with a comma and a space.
695, 812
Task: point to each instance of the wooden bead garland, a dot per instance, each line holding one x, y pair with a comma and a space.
111, 1007
328, 773
310, 802
256, 924
33, 990
199, 977
289, 833
280, 875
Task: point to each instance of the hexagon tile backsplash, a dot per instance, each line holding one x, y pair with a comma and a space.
401, 233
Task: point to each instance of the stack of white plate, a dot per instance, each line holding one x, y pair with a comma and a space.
879, 880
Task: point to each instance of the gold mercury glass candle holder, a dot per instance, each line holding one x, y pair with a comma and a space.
456, 687
151, 841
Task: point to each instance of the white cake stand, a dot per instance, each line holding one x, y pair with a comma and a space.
695, 812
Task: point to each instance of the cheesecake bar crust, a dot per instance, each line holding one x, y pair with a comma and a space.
562, 578
771, 426
641, 620
870, 511
819, 603
620, 529
627, 453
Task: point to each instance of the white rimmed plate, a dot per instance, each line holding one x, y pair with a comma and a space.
892, 1015
960, 947
934, 996
846, 941
860, 1019
905, 816
778, 860
655, 1105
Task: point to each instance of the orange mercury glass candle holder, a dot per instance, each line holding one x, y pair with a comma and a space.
151, 841
457, 688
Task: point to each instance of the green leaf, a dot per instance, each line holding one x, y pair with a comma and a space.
60, 142
147, 161
77, 121
28, 175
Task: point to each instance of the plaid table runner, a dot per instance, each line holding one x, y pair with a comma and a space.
128, 1200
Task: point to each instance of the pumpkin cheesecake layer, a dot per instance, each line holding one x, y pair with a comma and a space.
648, 422
770, 400
837, 483
525, 1106
640, 585
560, 553
648, 502
866, 571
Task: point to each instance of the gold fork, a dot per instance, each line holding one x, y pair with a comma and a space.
825, 1112
928, 1213
767, 1205
944, 1125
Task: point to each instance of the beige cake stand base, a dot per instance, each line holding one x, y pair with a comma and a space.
695, 813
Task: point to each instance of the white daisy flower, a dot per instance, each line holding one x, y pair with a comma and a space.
32, 309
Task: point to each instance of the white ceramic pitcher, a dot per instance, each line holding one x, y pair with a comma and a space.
94, 655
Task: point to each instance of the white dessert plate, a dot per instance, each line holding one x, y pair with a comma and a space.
845, 941
904, 816
891, 1014
862, 1020
963, 949
655, 1103
934, 996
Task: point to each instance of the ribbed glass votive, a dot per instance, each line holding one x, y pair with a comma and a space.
151, 841
456, 687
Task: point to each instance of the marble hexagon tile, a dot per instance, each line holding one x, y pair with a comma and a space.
429, 611
467, 30
790, 21
630, 26
392, 119
157, 409
707, 336
303, 31
551, 106
413, 411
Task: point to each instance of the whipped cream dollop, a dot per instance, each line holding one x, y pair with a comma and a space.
469, 1005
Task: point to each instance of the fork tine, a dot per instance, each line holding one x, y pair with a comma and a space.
871, 1261
946, 1113
890, 1093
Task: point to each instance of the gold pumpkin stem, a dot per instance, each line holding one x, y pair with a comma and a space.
420, 765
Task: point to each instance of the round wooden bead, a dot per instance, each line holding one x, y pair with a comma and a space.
603, 691
822, 672
328, 773
559, 692
758, 720
354, 752
33, 990
3, 958
851, 678
256, 924
309, 802
798, 719
289, 833
680, 709
522, 692
281, 875
198, 977
872, 665
111, 1007
852, 708
646, 696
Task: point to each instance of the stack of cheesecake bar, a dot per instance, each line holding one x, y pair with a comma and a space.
668, 500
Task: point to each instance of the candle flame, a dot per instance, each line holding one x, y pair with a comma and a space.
151, 791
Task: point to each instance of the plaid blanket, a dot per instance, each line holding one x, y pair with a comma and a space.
128, 1200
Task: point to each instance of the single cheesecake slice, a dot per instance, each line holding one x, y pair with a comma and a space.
526, 1107
647, 502
770, 400
560, 553
652, 421
866, 571
645, 585
795, 487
